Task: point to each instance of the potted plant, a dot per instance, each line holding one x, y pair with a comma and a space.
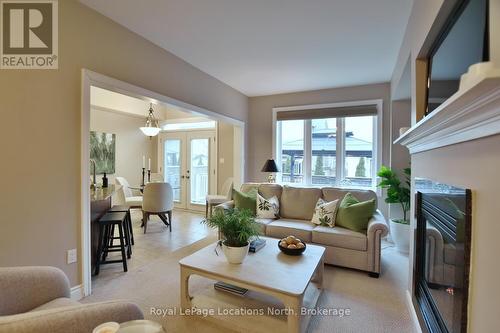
398, 193
237, 228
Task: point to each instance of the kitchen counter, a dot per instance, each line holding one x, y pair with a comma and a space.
100, 203
103, 193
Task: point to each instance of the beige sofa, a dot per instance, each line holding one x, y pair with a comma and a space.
37, 300
343, 247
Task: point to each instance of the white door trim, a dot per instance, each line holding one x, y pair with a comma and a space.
90, 78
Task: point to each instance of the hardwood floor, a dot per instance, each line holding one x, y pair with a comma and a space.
157, 242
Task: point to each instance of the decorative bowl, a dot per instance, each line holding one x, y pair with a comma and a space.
292, 252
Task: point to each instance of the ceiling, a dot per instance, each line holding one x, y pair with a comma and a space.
112, 101
264, 47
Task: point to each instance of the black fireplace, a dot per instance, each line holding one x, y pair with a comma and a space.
442, 256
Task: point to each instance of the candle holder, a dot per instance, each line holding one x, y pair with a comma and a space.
149, 176
143, 174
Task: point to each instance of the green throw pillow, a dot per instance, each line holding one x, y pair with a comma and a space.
355, 215
247, 200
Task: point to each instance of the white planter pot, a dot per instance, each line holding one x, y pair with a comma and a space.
400, 233
235, 255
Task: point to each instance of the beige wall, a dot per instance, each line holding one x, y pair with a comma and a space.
40, 112
225, 147
131, 144
400, 157
474, 165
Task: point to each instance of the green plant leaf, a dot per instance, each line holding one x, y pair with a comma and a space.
238, 227
396, 192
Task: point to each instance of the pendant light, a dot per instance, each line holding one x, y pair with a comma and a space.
151, 128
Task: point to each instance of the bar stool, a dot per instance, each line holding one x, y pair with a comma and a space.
126, 209
106, 237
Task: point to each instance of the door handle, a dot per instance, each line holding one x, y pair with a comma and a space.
187, 177
183, 177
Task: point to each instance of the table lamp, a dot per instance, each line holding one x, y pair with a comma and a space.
271, 167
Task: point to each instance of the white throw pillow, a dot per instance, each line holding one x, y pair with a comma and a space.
325, 213
267, 208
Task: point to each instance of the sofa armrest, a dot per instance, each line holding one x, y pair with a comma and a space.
225, 206
377, 228
24, 288
377, 223
76, 319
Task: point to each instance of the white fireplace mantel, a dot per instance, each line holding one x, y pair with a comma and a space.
471, 113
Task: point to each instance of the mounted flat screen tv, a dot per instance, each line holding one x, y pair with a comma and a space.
463, 41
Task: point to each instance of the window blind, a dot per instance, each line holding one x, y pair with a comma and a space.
335, 112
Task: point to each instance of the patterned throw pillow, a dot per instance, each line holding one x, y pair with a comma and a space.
267, 208
325, 213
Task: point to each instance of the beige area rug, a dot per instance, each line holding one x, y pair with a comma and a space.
375, 305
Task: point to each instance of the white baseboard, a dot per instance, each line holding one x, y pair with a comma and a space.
77, 292
413, 314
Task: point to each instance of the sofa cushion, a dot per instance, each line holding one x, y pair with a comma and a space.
298, 203
270, 190
263, 224
247, 187
340, 237
286, 227
332, 193
56, 303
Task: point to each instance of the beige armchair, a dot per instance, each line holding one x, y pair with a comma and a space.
37, 300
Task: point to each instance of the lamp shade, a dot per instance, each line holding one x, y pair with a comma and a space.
270, 166
151, 128
150, 131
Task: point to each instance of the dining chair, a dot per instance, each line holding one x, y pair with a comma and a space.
212, 200
125, 194
158, 199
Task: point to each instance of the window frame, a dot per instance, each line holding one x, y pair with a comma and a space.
377, 139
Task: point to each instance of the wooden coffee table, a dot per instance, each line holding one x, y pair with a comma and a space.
280, 288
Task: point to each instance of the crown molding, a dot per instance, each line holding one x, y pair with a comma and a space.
471, 113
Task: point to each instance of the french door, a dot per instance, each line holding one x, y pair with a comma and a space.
187, 161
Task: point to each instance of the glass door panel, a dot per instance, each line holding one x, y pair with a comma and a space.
187, 161
199, 170
172, 166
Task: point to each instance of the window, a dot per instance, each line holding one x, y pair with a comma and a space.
292, 151
359, 168
324, 151
328, 151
